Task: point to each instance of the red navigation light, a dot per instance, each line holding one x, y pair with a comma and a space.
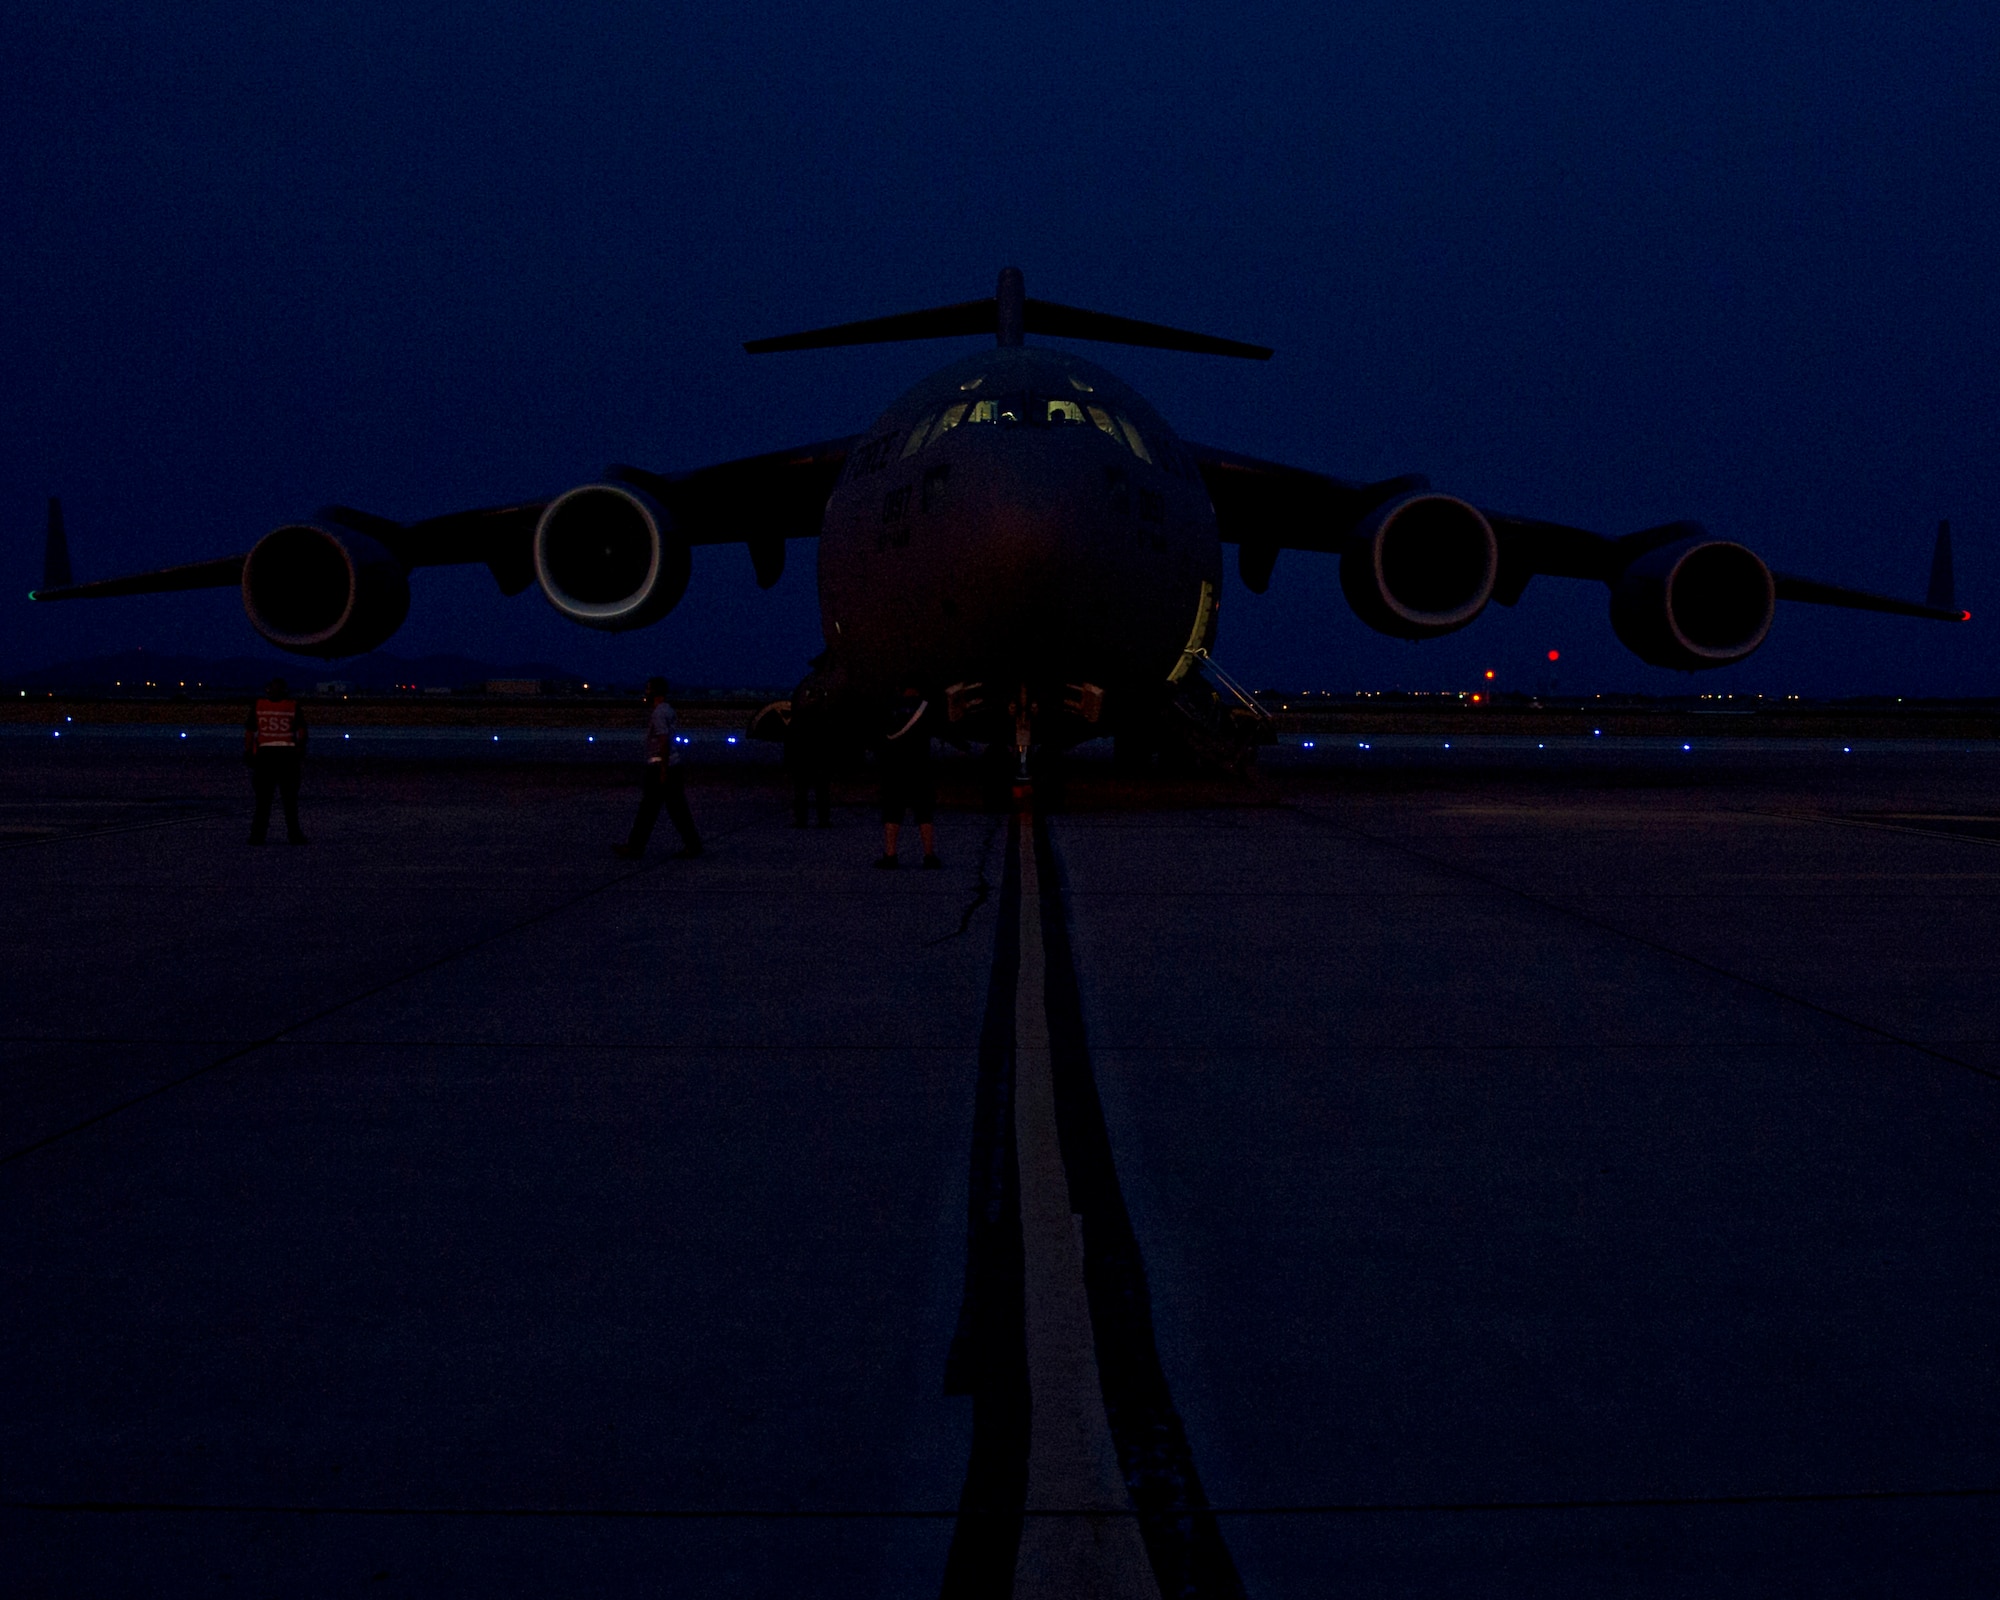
1555, 655
1965, 616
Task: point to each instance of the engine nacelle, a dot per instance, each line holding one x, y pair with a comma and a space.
1420, 565
1695, 603
606, 556
320, 591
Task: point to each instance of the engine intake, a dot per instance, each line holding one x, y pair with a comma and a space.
606, 556
1420, 565
318, 591
1695, 603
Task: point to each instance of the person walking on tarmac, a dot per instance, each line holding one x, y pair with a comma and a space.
904, 752
662, 784
274, 747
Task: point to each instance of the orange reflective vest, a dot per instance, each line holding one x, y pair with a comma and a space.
277, 724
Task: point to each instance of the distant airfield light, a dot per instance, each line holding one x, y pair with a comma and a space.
732, 738
496, 738
184, 736
1687, 747
1489, 674
1847, 749
1597, 733
1309, 744
589, 738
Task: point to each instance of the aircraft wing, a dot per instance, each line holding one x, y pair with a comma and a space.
759, 501
1264, 507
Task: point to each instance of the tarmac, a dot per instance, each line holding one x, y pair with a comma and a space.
1563, 1170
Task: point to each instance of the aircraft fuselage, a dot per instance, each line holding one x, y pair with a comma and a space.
1021, 516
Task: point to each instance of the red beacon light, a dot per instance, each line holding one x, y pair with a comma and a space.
1555, 655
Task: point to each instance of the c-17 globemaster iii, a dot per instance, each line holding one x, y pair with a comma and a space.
1021, 535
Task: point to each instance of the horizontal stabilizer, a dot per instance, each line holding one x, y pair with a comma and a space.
1008, 315
1068, 322
942, 322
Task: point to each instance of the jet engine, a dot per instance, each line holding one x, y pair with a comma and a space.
1695, 603
606, 556
1420, 565
320, 591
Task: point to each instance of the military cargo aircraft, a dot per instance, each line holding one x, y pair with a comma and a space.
1021, 535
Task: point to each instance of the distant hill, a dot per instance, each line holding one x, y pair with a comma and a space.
131, 669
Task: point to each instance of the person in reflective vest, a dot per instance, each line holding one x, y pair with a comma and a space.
274, 747
661, 784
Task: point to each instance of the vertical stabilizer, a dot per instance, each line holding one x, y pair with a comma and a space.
1011, 302
1940, 593
55, 551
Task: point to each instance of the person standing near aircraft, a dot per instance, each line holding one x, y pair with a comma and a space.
907, 784
662, 784
274, 748
808, 757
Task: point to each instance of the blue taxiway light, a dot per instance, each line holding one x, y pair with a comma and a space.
732, 738
1308, 744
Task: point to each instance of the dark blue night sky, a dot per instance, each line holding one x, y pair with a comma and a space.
1611, 265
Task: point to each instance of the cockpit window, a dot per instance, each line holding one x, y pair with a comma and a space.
1132, 437
1036, 409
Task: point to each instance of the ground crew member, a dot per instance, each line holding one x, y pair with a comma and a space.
809, 757
274, 747
904, 752
662, 784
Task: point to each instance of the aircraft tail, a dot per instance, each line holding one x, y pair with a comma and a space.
1940, 593
1008, 315
55, 551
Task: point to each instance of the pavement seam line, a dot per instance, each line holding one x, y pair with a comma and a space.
1072, 1461
284, 1033
216, 814
1529, 897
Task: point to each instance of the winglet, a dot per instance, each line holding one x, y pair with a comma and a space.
55, 551
1940, 592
